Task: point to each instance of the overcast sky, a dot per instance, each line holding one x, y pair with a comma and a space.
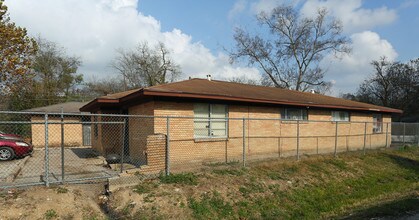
197, 31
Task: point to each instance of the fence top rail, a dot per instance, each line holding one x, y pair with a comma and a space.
407, 123
83, 114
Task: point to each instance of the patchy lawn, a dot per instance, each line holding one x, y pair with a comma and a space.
315, 187
353, 186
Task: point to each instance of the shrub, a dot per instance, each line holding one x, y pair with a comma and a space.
50, 214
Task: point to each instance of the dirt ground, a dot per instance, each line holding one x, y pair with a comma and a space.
65, 202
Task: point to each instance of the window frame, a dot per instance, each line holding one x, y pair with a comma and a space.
339, 120
377, 125
210, 121
284, 114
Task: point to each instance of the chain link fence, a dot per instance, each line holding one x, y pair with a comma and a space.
405, 133
44, 149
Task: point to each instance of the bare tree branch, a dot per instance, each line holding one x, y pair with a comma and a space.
146, 66
290, 55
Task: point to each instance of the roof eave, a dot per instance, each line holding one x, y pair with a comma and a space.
94, 104
230, 98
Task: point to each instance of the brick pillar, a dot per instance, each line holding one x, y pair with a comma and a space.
155, 154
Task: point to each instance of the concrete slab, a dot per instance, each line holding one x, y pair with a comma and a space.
122, 181
10, 169
79, 164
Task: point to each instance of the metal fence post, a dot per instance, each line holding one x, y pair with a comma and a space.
387, 135
62, 146
167, 146
298, 139
336, 138
417, 128
404, 133
279, 147
317, 145
365, 137
123, 145
244, 143
46, 165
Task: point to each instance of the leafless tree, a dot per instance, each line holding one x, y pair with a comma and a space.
393, 84
288, 52
146, 66
244, 80
103, 86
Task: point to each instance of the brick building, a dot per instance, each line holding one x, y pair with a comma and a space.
75, 133
213, 120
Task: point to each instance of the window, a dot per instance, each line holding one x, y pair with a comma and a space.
87, 135
210, 120
87, 130
294, 114
377, 124
340, 116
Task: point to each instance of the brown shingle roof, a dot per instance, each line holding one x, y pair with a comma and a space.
68, 107
229, 91
119, 94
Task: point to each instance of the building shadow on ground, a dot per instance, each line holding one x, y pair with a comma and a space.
85, 153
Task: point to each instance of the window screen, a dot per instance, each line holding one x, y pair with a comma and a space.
377, 126
210, 120
294, 114
340, 116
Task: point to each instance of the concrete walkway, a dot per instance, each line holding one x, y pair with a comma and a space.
79, 164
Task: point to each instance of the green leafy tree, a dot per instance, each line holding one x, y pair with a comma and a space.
16, 52
55, 78
55, 73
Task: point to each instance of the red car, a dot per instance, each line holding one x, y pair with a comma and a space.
4, 135
12, 146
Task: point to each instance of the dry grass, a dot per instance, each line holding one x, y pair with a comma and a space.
315, 187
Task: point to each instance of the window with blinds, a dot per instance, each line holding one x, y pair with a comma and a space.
294, 114
340, 116
377, 125
210, 120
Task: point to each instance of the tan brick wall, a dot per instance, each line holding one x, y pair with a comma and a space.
155, 152
264, 138
139, 129
73, 133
